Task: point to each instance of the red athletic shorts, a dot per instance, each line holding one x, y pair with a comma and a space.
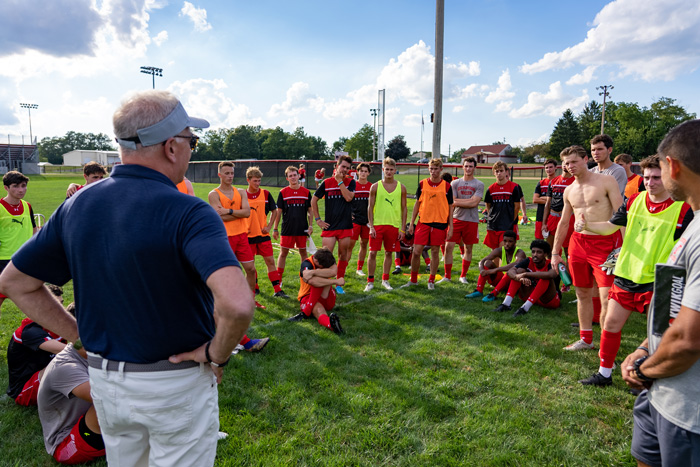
262, 249
467, 232
538, 230
387, 235
75, 450
328, 302
553, 222
629, 300
495, 237
586, 254
429, 236
337, 233
553, 303
27, 397
293, 241
241, 248
360, 231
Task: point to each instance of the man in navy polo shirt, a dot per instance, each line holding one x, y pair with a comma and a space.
146, 314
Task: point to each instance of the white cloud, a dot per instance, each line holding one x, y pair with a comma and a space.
503, 91
504, 106
458, 108
529, 141
582, 78
207, 99
299, 99
197, 15
160, 38
552, 103
646, 38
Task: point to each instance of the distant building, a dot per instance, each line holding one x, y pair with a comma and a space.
81, 157
488, 154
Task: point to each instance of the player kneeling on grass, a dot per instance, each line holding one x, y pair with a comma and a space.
317, 289
493, 268
534, 280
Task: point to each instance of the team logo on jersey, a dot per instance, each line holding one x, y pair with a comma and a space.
390, 201
20, 222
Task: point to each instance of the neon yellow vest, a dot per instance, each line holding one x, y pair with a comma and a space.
649, 240
504, 260
387, 206
14, 230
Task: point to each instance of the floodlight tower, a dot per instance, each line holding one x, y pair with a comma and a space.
153, 71
605, 95
29, 108
373, 113
381, 103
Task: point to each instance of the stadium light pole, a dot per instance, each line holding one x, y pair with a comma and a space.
605, 95
373, 112
153, 71
29, 108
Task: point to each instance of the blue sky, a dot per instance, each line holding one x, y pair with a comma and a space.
511, 67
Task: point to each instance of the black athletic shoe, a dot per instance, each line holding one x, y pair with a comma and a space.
397, 270
335, 324
281, 294
519, 312
257, 292
597, 380
299, 317
502, 307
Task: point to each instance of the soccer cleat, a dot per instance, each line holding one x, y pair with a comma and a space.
409, 284
260, 306
488, 298
281, 294
222, 435
237, 349
444, 280
431, 285
463, 280
502, 307
256, 345
397, 270
335, 323
299, 317
597, 380
519, 312
387, 285
427, 269
359, 272
580, 345
339, 290
369, 286
475, 294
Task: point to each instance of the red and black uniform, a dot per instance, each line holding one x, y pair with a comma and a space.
501, 217
541, 189
359, 211
25, 360
302, 174
555, 191
338, 211
540, 286
295, 206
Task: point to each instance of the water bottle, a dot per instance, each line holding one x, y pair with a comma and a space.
564, 274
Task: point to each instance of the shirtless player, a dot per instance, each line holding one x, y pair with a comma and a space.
595, 197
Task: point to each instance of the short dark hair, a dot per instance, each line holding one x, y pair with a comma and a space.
551, 161
682, 143
651, 162
324, 257
470, 159
56, 290
447, 177
605, 139
13, 177
510, 234
624, 158
71, 308
344, 158
571, 150
542, 245
93, 167
365, 165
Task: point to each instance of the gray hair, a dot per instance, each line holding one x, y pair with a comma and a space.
141, 110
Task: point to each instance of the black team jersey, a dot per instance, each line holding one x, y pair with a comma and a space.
24, 357
541, 189
556, 192
294, 205
360, 203
503, 199
338, 211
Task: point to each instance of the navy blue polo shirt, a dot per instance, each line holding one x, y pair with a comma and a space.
139, 253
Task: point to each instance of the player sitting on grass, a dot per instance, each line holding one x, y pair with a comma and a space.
492, 269
534, 280
92, 172
317, 290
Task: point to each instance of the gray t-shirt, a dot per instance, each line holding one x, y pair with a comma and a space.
467, 190
617, 171
59, 408
678, 398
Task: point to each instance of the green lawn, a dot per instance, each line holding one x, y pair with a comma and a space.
419, 378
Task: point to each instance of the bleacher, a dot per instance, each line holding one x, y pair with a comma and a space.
22, 157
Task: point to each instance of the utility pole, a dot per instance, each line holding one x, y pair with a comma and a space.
153, 71
373, 112
439, 43
605, 95
29, 108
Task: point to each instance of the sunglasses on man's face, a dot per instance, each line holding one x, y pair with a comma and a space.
194, 139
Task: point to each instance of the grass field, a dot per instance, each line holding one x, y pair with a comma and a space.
419, 378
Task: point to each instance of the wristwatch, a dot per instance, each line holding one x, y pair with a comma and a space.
217, 365
637, 363
230, 212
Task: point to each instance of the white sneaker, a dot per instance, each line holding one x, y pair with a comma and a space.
431, 285
386, 285
463, 280
444, 280
580, 345
409, 284
359, 272
222, 435
369, 286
